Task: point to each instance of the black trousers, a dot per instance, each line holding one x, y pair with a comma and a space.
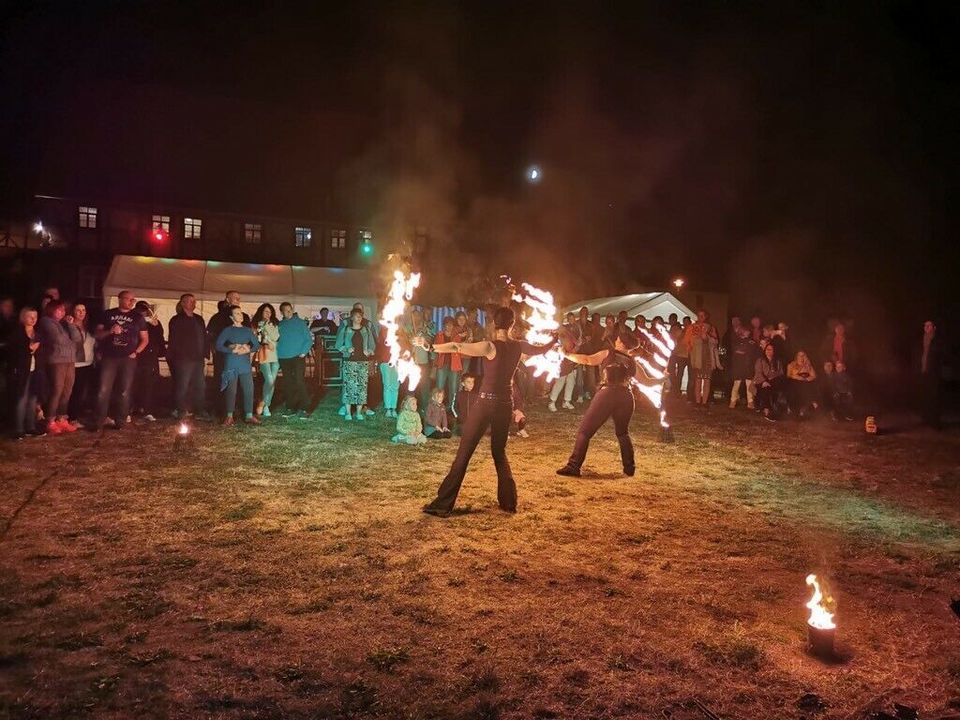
295, 395
84, 391
610, 400
496, 415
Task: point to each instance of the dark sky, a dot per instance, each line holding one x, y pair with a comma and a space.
802, 156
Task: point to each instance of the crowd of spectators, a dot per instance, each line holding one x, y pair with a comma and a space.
63, 369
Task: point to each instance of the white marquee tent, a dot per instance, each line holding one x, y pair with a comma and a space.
161, 282
648, 304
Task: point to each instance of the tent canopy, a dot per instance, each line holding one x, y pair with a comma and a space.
161, 282
648, 304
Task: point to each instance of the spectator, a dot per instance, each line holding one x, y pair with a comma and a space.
148, 364
59, 341
236, 343
609, 331
23, 379
418, 327
769, 381
825, 382
409, 425
437, 427
216, 325
802, 379
186, 355
389, 376
322, 324
267, 328
568, 375
756, 329
702, 343
930, 368
292, 348
357, 347
466, 399
122, 336
85, 377
449, 365
842, 392
744, 354
838, 346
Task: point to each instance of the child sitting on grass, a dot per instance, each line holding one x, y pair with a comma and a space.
466, 399
409, 426
437, 426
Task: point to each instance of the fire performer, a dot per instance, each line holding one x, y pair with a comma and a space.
494, 410
613, 398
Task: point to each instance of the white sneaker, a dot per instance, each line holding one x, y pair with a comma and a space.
370, 412
360, 416
523, 433
342, 411
266, 412
568, 406
149, 418
348, 416
552, 407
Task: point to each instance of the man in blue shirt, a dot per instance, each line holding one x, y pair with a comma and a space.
292, 348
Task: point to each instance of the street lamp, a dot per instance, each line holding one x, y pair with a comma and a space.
534, 174
679, 283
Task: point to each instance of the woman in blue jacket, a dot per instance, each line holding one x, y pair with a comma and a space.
236, 342
357, 346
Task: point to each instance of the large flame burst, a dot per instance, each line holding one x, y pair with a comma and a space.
654, 373
401, 291
542, 324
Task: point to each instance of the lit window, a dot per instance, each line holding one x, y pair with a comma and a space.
192, 228
302, 237
161, 222
338, 239
88, 217
252, 232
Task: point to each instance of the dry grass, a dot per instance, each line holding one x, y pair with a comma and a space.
286, 572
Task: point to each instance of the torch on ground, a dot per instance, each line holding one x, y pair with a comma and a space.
821, 628
183, 440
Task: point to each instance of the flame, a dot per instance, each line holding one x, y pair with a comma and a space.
655, 371
401, 290
542, 321
820, 618
183, 429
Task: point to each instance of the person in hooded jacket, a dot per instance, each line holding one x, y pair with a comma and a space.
59, 341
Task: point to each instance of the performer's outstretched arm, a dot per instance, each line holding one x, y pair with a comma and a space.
484, 348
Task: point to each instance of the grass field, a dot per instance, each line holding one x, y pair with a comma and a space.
287, 572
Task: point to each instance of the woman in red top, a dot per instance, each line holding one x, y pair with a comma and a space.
450, 365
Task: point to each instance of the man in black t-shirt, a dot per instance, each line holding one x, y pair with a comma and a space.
121, 337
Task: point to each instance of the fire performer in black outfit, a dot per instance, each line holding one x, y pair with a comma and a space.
494, 410
613, 398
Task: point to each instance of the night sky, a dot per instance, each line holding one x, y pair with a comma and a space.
802, 157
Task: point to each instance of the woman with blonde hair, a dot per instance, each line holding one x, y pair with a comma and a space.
802, 392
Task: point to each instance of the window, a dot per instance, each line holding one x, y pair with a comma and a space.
161, 222
302, 237
338, 239
192, 228
88, 217
252, 232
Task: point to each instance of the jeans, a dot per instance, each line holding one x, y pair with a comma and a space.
449, 381
564, 384
735, 392
391, 385
295, 395
61, 377
113, 370
610, 400
84, 383
188, 382
269, 371
230, 394
496, 415
25, 407
424, 388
